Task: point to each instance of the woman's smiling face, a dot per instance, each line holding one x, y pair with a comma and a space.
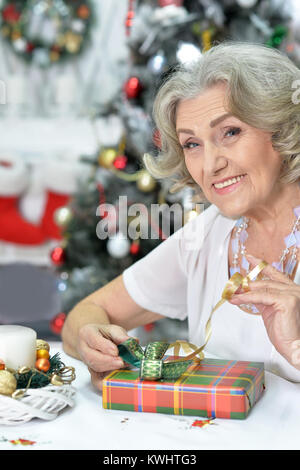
218, 146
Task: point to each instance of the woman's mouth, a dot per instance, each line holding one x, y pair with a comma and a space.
229, 185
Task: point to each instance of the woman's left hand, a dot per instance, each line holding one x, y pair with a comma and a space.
278, 301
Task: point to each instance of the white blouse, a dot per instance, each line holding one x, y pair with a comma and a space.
184, 277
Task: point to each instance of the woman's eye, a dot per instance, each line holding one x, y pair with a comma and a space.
235, 130
190, 145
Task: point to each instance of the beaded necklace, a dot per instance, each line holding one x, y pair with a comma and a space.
287, 261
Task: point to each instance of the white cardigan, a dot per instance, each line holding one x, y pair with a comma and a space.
184, 278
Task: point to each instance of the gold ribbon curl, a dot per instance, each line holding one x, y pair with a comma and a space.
231, 287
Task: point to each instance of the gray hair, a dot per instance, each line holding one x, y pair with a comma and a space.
260, 93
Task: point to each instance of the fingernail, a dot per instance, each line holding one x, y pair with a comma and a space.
118, 362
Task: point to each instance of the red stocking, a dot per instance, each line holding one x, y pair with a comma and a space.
61, 182
13, 227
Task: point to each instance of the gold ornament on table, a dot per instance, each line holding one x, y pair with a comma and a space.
8, 382
64, 375
42, 344
50, 393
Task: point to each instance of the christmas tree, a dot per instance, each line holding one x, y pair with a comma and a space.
160, 35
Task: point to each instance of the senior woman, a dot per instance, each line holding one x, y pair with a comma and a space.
230, 128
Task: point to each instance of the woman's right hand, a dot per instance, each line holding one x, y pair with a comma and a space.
97, 348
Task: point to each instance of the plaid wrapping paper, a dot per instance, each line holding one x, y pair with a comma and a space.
215, 388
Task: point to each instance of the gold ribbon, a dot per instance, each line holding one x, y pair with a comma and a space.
231, 287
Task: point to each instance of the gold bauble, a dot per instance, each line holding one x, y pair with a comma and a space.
73, 42
5, 30
54, 56
145, 182
63, 216
107, 157
15, 35
42, 344
42, 353
8, 382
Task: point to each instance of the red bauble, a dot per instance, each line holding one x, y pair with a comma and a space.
166, 3
58, 256
11, 14
120, 162
29, 47
129, 19
134, 248
133, 88
57, 323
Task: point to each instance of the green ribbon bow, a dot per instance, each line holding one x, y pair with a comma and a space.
150, 362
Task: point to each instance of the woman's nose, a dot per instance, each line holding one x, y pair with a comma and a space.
213, 159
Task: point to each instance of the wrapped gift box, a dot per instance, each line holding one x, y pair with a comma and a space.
214, 388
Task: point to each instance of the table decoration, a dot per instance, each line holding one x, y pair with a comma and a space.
38, 391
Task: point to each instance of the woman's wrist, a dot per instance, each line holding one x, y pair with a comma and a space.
291, 353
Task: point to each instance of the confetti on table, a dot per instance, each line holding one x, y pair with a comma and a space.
201, 423
23, 442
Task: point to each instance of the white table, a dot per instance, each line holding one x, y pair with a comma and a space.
273, 423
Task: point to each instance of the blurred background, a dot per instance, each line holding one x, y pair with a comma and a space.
77, 81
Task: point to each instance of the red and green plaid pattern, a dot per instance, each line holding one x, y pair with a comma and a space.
215, 388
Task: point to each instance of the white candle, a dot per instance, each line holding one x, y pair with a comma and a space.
17, 346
